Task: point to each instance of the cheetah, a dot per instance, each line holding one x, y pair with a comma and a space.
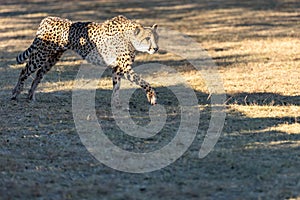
113, 43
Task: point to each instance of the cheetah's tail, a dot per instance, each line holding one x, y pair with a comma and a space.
23, 56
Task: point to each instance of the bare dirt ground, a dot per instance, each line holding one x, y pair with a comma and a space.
255, 45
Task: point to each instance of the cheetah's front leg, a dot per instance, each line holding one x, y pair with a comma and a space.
124, 69
116, 79
133, 77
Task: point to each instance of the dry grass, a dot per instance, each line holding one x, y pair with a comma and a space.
255, 45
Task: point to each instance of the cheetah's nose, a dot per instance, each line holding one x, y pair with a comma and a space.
155, 49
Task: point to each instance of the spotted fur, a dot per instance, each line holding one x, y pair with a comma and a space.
112, 43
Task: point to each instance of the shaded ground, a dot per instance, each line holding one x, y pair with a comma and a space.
255, 45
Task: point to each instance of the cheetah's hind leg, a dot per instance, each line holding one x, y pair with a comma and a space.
25, 72
46, 66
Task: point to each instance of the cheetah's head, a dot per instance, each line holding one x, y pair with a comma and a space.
145, 39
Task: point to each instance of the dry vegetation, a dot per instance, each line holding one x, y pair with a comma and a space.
255, 45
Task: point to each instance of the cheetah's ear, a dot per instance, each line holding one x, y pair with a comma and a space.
137, 31
154, 27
